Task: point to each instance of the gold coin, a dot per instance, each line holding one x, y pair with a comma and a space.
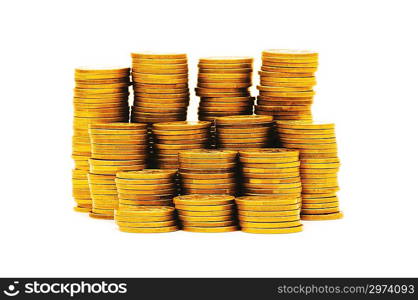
144, 181
153, 224
100, 216
82, 209
146, 211
279, 165
290, 65
328, 216
304, 125
269, 219
208, 154
296, 94
224, 66
144, 218
208, 176
205, 208
158, 55
142, 197
214, 213
181, 125
273, 230
141, 68
319, 205
205, 200
224, 85
199, 166
147, 174
148, 230
237, 120
320, 211
230, 191
281, 89
268, 200
132, 204
226, 60
268, 160
279, 213
142, 187
294, 170
289, 53
210, 229
281, 186
97, 76
205, 219
268, 153
208, 181
284, 207
284, 180
204, 69
207, 223
284, 224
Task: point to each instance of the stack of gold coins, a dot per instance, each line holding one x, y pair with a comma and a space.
269, 214
172, 137
319, 166
81, 191
242, 132
147, 187
160, 87
223, 84
287, 78
146, 219
100, 96
206, 213
104, 195
270, 171
208, 171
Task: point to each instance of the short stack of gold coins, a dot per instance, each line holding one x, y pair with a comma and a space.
160, 82
206, 213
172, 137
81, 191
100, 96
223, 84
287, 78
270, 171
114, 147
317, 146
208, 171
269, 214
242, 132
145, 188
146, 219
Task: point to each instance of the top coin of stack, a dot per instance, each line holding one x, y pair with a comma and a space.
242, 132
318, 169
160, 87
172, 137
286, 85
223, 84
100, 96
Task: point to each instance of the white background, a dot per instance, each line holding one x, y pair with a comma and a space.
367, 83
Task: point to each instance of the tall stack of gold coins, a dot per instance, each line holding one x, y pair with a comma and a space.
207, 171
206, 213
145, 188
172, 137
287, 78
223, 84
100, 96
319, 166
242, 132
114, 147
269, 214
160, 83
223, 87
270, 171
146, 219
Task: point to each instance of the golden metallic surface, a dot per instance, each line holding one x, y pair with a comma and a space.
273, 230
187, 200
148, 230
320, 217
210, 229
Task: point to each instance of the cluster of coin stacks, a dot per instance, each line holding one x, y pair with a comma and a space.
146, 219
206, 213
81, 191
172, 137
270, 171
317, 146
222, 86
269, 214
286, 85
208, 171
100, 96
242, 132
145, 188
160, 83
